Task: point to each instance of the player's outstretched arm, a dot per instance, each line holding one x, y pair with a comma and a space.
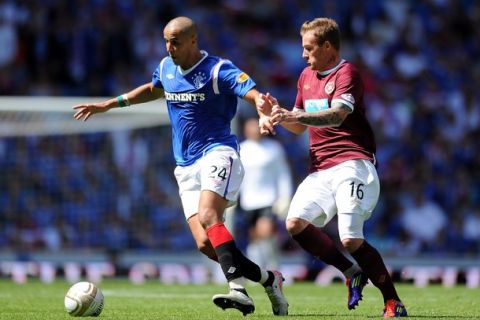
296, 121
141, 94
331, 117
263, 106
284, 117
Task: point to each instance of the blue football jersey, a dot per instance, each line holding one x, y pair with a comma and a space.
202, 102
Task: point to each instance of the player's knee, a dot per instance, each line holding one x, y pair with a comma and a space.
352, 244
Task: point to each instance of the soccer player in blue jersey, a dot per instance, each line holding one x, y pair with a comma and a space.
201, 93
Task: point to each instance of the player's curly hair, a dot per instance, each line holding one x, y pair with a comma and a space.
325, 29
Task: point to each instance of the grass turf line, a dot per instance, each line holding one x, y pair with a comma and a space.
123, 300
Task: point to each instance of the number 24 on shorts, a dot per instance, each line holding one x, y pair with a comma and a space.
218, 172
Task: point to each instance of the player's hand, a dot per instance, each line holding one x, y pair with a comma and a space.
272, 101
266, 127
277, 114
280, 115
86, 110
263, 104
264, 109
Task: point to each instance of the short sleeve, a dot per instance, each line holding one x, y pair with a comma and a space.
157, 83
348, 88
157, 75
232, 80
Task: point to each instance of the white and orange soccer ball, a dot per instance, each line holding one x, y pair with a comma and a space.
84, 299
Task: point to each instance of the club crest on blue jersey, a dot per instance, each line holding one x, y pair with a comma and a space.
199, 79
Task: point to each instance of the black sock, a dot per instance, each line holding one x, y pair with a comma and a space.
229, 260
250, 269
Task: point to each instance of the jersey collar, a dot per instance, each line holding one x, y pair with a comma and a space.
324, 73
184, 72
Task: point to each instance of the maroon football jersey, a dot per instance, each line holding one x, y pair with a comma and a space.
354, 139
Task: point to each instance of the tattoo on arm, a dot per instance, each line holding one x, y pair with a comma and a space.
332, 117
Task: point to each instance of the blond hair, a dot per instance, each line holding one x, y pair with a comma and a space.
325, 29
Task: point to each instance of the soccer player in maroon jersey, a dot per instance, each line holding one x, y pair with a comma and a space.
342, 179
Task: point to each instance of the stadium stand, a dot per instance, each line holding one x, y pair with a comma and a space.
421, 70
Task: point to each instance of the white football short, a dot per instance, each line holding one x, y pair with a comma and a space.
350, 189
219, 170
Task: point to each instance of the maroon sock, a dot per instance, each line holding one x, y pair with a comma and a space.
371, 262
319, 244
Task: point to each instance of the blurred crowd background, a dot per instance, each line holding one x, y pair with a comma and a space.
116, 190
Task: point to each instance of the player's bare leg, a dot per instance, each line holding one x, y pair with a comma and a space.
201, 239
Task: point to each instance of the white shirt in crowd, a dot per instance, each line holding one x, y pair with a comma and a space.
268, 179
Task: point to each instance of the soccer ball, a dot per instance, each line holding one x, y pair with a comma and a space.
84, 299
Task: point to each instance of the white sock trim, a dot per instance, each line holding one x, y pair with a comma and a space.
237, 283
264, 276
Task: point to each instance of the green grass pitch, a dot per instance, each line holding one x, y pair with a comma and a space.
123, 300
